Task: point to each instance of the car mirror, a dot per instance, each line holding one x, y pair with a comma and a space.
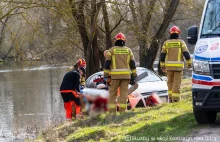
192, 35
164, 78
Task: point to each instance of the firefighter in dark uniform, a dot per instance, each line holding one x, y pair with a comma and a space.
120, 67
80, 63
171, 60
70, 92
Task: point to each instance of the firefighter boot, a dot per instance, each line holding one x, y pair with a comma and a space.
122, 108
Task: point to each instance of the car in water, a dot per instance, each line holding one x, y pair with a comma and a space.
152, 83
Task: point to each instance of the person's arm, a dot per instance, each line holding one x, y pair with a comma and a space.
163, 57
132, 65
77, 82
186, 54
107, 66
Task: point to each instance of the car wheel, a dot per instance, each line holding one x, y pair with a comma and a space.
211, 116
204, 117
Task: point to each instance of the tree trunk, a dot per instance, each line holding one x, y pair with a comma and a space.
78, 15
143, 28
108, 41
92, 56
89, 41
152, 52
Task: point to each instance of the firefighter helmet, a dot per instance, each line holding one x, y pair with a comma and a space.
175, 29
81, 63
120, 36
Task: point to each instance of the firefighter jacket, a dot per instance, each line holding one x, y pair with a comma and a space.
71, 81
82, 78
120, 63
172, 55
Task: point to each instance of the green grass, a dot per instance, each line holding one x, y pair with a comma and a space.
156, 123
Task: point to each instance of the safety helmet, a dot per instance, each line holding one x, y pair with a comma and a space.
175, 29
81, 63
120, 36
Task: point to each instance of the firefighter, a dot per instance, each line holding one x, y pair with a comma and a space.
120, 67
70, 92
80, 63
171, 60
105, 53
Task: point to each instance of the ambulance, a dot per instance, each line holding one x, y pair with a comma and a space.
206, 64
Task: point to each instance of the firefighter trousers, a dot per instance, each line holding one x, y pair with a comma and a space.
122, 98
71, 98
174, 83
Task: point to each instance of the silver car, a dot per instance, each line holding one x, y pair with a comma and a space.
148, 85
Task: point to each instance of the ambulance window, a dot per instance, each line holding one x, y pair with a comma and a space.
211, 24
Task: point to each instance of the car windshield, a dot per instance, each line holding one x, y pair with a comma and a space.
150, 78
211, 24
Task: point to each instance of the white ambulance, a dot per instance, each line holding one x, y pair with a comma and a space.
206, 64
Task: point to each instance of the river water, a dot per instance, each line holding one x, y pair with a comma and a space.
29, 99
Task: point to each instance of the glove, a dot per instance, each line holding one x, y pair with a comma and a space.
132, 80
189, 65
162, 66
81, 89
105, 79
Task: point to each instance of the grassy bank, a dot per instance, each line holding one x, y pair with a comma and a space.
164, 122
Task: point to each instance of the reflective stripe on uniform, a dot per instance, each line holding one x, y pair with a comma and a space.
173, 45
179, 54
167, 54
174, 65
121, 72
170, 92
128, 61
70, 91
121, 51
113, 62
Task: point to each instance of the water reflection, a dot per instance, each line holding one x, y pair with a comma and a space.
29, 100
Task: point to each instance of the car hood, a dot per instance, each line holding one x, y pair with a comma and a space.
152, 86
207, 49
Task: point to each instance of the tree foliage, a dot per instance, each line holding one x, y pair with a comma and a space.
64, 30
